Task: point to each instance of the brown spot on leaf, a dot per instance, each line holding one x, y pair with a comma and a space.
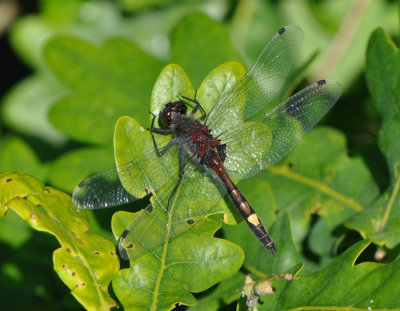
288, 276
264, 287
73, 273
64, 267
96, 253
9, 180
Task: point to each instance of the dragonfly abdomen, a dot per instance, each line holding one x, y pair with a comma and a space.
247, 212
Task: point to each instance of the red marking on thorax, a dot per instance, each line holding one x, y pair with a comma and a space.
203, 139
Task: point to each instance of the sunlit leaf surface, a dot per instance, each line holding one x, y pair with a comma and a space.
342, 285
381, 220
85, 262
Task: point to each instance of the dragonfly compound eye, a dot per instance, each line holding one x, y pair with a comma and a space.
171, 110
166, 114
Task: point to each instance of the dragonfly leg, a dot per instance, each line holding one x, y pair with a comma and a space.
204, 114
161, 152
156, 129
160, 131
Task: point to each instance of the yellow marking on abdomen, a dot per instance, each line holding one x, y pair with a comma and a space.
253, 219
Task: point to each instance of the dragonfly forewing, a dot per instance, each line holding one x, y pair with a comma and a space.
269, 137
261, 84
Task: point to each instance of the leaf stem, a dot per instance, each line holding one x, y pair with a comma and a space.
165, 249
342, 39
284, 171
393, 196
255, 271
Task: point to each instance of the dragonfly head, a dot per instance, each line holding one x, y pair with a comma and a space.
171, 111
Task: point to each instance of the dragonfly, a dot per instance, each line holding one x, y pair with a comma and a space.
209, 150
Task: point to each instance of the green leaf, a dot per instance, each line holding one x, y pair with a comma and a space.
107, 84
342, 285
222, 295
88, 19
199, 44
139, 5
149, 173
170, 85
149, 232
85, 161
16, 155
26, 105
318, 177
192, 262
85, 262
219, 81
383, 63
14, 231
380, 221
258, 261
329, 183
26, 37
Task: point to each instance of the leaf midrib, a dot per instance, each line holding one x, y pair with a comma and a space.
285, 171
